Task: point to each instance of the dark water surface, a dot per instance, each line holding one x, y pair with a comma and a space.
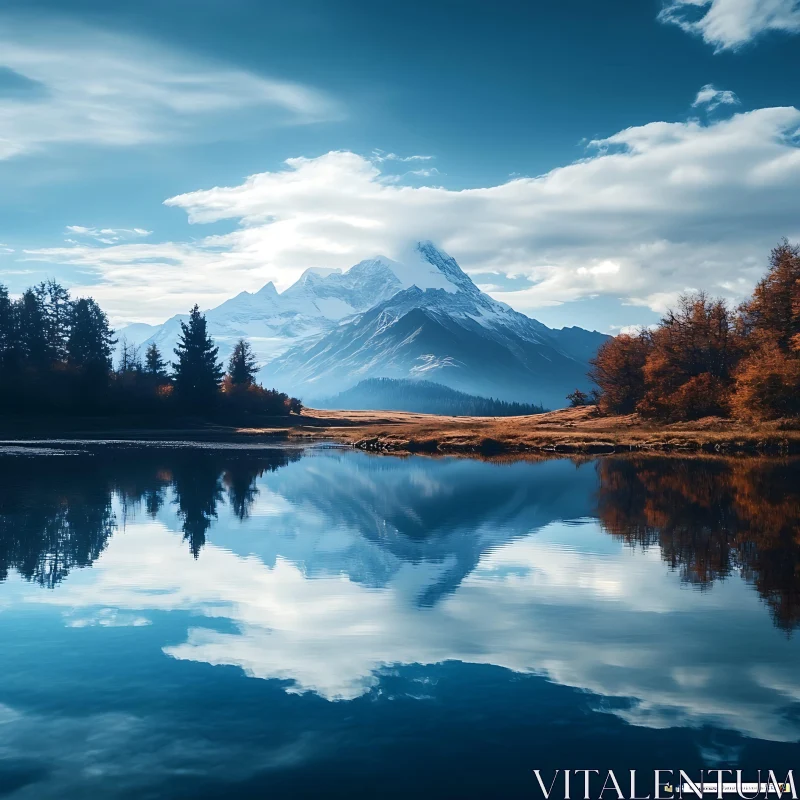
197, 622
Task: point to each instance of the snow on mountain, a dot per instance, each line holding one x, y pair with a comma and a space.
420, 318
449, 332
274, 321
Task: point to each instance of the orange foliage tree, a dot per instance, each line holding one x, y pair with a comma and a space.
689, 370
703, 359
617, 371
768, 379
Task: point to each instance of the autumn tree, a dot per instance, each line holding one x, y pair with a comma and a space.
617, 370
773, 312
197, 372
768, 379
767, 385
689, 369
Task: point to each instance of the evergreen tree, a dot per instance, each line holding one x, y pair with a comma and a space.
91, 340
154, 365
197, 372
7, 332
31, 326
57, 311
242, 365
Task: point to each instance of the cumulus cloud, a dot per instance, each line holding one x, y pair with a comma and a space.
712, 98
79, 85
650, 212
729, 24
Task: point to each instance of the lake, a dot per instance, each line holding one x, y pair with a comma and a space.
197, 621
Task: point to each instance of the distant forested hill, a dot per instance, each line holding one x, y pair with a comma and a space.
426, 397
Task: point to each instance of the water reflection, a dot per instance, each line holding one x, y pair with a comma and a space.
51, 519
708, 518
463, 592
711, 518
56, 511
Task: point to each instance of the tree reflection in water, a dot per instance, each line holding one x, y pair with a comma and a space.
711, 518
52, 519
56, 512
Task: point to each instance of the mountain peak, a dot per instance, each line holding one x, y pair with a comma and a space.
445, 264
268, 290
318, 274
379, 265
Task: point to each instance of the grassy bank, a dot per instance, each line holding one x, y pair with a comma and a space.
575, 430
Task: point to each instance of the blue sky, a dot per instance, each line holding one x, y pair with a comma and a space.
586, 162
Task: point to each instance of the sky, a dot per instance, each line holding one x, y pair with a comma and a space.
586, 162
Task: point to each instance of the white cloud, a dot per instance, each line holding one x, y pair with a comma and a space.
729, 24
424, 173
650, 212
712, 98
106, 235
86, 86
379, 156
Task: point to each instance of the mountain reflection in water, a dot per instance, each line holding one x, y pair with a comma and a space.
709, 517
204, 607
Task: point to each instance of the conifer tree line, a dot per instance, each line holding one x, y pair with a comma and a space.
708, 359
56, 356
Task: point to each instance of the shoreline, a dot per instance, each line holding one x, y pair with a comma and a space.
572, 431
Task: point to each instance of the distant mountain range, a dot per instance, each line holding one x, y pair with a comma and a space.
424, 397
422, 319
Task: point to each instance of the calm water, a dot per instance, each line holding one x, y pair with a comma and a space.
195, 622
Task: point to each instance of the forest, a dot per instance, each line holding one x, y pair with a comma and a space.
56, 358
707, 359
424, 397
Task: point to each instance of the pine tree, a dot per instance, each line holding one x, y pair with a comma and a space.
197, 372
242, 365
91, 340
154, 365
57, 310
34, 349
6, 330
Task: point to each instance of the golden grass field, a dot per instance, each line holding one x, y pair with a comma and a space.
567, 431
573, 430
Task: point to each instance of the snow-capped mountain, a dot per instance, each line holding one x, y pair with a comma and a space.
448, 332
274, 321
422, 317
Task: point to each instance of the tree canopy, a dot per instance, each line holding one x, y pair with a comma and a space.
705, 358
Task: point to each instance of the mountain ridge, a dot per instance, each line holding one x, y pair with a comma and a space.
460, 337
422, 317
